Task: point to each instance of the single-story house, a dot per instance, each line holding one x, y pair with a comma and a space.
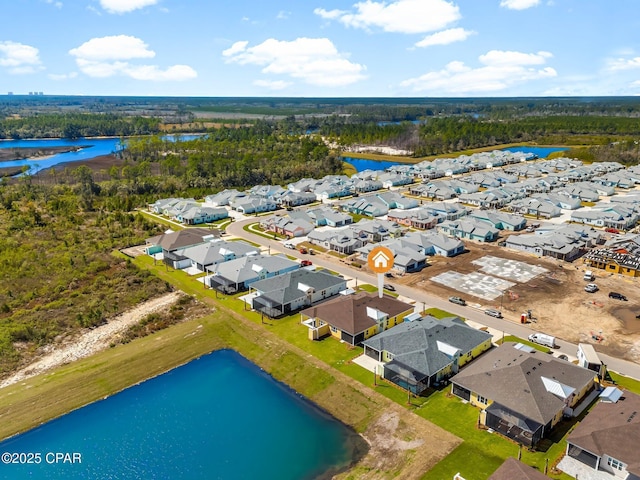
434, 243
171, 241
471, 229
500, 220
294, 290
408, 257
417, 218
237, 275
211, 253
522, 393
422, 353
330, 217
342, 240
512, 469
198, 215
354, 318
608, 438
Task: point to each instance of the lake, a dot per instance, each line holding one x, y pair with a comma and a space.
93, 147
217, 417
541, 152
361, 164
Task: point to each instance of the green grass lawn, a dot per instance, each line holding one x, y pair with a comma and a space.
436, 312
514, 339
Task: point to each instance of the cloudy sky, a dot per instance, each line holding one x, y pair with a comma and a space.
321, 48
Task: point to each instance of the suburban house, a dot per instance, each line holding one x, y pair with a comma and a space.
198, 215
171, 241
223, 198
607, 439
329, 217
417, 218
522, 393
535, 206
394, 179
294, 290
366, 185
370, 206
562, 242
434, 243
159, 206
295, 199
471, 229
500, 220
408, 257
377, 230
616, 216
512, 469
619, 255
560, 200
342, 240
237, 275
395, 200
207, 254
422, 353
287, 225
354, 318
446, 211
253, 204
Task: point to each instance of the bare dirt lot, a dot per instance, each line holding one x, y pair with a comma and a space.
557, 299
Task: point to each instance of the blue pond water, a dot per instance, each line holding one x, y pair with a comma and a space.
218, 417
541, 152
92, 147
361, 164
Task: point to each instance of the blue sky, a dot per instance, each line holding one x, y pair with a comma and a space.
321, 48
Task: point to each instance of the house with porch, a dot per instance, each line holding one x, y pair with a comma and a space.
500, 220
237, 275
522, 393
199, 215
354, 318
422, 353
395, 200
471, 229
408, 257
171, 241
377, 230
417, 218
328, 216
289, 292
434, 243
370, 206
606, 441
342, 240
223, 198
208, 254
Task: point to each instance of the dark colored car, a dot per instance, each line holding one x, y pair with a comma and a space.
391, 288
617, 296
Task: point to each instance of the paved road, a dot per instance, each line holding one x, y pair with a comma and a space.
507, 325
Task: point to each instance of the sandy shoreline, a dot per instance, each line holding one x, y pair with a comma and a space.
90, 342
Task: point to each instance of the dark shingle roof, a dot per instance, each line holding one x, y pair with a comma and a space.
182, 238
512, 469
349, 313
514, 379
612, 429
415, 344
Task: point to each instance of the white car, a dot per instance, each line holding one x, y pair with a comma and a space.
290, 245
591, 288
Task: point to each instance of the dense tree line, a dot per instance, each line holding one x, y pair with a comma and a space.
76, 125
266, 152
57, 268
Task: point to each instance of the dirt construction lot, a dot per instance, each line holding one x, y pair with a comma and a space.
556, 298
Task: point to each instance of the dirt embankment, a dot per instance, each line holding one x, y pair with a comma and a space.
89, 342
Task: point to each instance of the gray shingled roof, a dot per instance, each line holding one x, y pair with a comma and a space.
284, 289
182, 238
513, 379
242, 269
512, 469
414, 344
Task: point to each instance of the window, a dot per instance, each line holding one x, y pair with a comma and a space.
613, 463
482, 400
334, 329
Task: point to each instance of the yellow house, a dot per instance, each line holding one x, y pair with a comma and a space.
424, 352
522, 393
354, 318
621, 256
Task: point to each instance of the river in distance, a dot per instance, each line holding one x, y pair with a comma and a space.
217, 417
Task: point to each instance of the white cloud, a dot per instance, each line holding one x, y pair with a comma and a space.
519, 4
283, 15
445, 37
19, 58
108, 56
272, 84
62, 76
618, 64
117, 47
316, 61
54, 3
495, 75
502, 57
125, 6
399, 16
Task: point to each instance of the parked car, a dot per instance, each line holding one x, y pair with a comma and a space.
391, 288
457, 300
388, 275
617, 296
611, 230
303, 250
306, 263
290, 245
591, 288
492, 312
